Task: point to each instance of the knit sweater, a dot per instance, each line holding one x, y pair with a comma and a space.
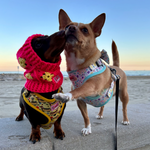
41, 76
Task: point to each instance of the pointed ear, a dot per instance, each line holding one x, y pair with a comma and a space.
97, 24
64, 20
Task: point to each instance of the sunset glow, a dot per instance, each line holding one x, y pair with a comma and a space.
125, 24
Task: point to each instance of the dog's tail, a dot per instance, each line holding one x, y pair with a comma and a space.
115, 54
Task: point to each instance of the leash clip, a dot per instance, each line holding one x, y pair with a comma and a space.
114, 75
118, 77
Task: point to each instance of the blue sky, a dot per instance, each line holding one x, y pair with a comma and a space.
127, 23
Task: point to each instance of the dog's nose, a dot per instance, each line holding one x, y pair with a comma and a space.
72, 28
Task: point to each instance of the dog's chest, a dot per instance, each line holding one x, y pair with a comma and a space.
73, 62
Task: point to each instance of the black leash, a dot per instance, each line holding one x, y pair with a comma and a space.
116, 111
116, 78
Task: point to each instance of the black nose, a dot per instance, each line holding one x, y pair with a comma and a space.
72, 28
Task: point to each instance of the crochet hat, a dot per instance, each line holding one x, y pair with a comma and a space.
41, 76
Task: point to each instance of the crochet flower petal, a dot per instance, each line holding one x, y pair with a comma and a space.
48, 76
22, 62
28, 76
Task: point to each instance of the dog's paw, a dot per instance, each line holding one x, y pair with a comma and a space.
35, 134
86, 131
62, 97
99, 117
59, 134
19, 118
125, 122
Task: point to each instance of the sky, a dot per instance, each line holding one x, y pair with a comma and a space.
127, 23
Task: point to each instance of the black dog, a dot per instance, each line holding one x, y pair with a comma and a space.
46, 50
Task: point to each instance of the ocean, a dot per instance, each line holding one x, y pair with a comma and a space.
128, 73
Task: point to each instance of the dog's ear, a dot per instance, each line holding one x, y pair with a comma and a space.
97, 24
64, 19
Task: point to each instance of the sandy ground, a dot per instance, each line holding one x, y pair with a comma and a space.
11, 85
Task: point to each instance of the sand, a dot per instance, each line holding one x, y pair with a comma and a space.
11, 85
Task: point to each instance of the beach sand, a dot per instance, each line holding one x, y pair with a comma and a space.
11, 85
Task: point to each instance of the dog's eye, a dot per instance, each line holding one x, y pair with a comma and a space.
38, 44
84, 30
66, 27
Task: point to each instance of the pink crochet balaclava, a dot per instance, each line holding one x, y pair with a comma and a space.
41, 77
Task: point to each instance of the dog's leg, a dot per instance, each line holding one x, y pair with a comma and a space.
83, 108
100, 114
58, 132
20, 117
35, 134
125, 99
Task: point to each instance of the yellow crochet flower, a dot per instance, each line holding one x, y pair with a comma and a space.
47, 76
28, 76
22, 62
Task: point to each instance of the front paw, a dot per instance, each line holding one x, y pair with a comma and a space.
59, 134
63, 97
86, 131
35, 135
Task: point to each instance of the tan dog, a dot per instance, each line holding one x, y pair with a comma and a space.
81, 54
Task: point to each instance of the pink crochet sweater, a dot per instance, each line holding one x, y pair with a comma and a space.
41, 77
